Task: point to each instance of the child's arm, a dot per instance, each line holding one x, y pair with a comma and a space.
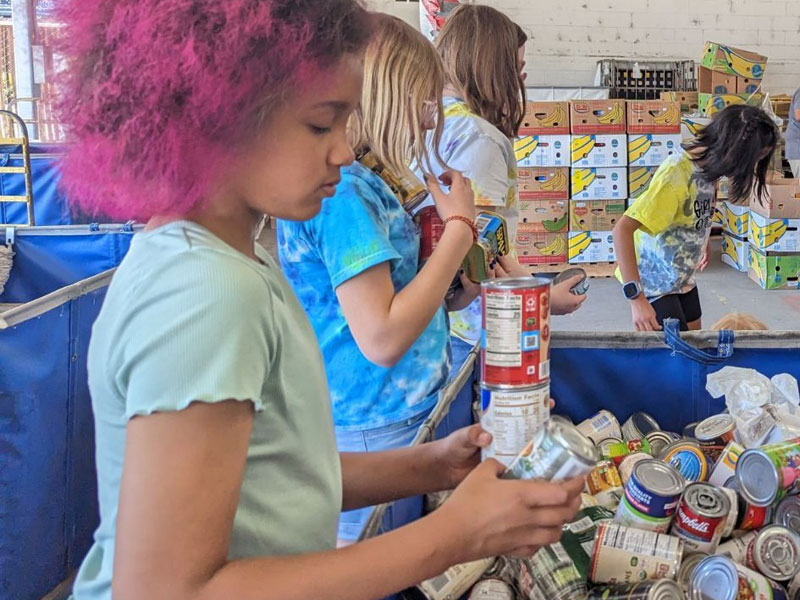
644, 315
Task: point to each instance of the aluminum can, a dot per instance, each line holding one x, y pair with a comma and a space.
627, 464
714, 433
720, 578
638, 425
688, 565
688, 459
601, 426
736, 548
768, 473
512, 416
701, 517
492, 589
625, 554
787, 513
775, 553
618, 451
657, 589
651, 496
658, 440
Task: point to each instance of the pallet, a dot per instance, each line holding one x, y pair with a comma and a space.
593, 270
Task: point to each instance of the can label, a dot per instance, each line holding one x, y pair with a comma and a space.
736, 549
629, 516
617, 452
623, 554
604, 476
733, 514
492, 589
544, 458
755, 585
516, 335
513, 417
431, 229
753, 517
650, 503
627, 464
725, 467
623, 591
689, 460
786, 458
699, 533
601, 426
551, 574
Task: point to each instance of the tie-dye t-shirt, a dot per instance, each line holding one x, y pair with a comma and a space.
676, 213
363, 225
478, 149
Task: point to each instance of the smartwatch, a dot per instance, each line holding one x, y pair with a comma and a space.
632, 290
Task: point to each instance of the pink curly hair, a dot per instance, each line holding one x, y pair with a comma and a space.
159, 95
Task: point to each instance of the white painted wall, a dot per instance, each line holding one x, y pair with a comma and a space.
568, 37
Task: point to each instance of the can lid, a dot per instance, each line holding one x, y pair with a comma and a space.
688, 565
707, 500
713, 427
757, 477
714, 577
574, 440
659, 477
569, 274
509, 283
665, 589
658, 441
777, 552
787, 513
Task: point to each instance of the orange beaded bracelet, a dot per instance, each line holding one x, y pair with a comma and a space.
468, 222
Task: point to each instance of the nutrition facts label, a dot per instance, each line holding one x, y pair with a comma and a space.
513, 417
503, 330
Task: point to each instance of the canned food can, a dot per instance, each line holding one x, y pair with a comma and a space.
431, 230
515, 343
787, 513
407, 187
492, 589
557, 452
512, 417
725, 467
551, 573
658, 440
714, 433
700, 517
619, 450
638, 425
604, 445
627, 464
750, 516
733, 515
657, 589
720, 578
688, 565
492, 242
688, 430
601, 426
604, 476
478, 262
455, 581
580, 288
688, 459
651, 496
768, 473
736, 548
775, 553
625, 554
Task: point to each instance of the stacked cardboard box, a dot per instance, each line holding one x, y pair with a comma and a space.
774, 253
735, 231
542, 152
689, 101
729, 76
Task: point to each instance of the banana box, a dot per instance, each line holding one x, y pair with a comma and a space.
591, 247
654, 116
542, 151
544, 216
711, 104
715, 82
545, 118
600, 183
776, 272
639, 179
735, 219
783, 201
536, 248
718, 220
687, 100
746, 85
650, 150
595, 215
692, 126
599, 150
733, 61
735, 252
774, 235
597, 116
543, 183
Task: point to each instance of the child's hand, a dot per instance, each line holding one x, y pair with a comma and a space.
644, 315
705, 259
460, 201
562, 300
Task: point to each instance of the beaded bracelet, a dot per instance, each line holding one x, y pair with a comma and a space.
468, 222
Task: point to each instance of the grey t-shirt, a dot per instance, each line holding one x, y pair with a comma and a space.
793, 130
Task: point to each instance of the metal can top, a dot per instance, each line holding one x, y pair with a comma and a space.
714, 427
659, 477
658, 441
665, 589
714, 577
572, 439
688, 430
688, 565
787, 513
644, 422
604, 444
569, 274
513, 283
706, 500
776, 552
757, 477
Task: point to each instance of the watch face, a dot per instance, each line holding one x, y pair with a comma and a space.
631, 290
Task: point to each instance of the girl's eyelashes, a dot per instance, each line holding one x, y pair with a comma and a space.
316, 130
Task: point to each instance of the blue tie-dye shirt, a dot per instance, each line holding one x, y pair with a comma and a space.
363, 225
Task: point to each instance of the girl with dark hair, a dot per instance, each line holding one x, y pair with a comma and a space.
662, 240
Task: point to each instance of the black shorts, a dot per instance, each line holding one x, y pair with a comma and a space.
684, 307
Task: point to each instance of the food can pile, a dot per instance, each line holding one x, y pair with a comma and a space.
664, 516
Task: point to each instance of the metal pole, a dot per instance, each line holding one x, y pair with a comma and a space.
22, 19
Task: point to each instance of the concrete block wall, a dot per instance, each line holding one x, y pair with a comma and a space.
568, 37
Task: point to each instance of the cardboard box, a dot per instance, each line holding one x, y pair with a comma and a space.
715, 82
591, 247
736, 219
535, 248
543, 183
718, 219
544, 216
639, 179
687, 100
735, 252
599, 150
711, 104
746, 85
595, 215
781, 272
727, 59
783, 202
650, 150
691, 126
545, 118
774, 235
542, 151
653, 116
597, 116
600, 184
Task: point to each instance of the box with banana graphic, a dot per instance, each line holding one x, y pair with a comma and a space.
535, 248
774, 235
735, 219
591, 247
597, 116
711, 104
726, 59
544, 216
545, 118
654, 116
691, 126
735, 252
650, 150
686, 100
599, 150
595, 215
543, 183
715, 82
542, 151
776, 272
599, 184
639, 179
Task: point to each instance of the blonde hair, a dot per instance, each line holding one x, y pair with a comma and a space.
402, 73
479, 47
737, 321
